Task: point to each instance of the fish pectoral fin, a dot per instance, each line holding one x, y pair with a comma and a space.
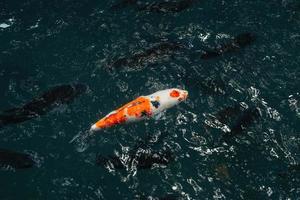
159, 116
81, 141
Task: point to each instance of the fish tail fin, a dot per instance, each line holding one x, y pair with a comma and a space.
81, 140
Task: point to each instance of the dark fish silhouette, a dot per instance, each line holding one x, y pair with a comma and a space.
167, 6
15, 160
240, 41
149, 55
237, 119
246, 120
228, 113
142, 160
62, 94
123, 4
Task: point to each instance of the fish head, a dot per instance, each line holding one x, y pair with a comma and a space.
170, 97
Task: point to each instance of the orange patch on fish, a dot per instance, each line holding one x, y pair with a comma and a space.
112, 119
138, 108
174, 93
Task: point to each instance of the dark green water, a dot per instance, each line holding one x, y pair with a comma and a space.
47, 43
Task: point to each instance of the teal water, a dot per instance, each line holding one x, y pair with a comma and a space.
48, 43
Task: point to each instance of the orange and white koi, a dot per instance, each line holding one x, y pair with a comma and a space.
141, 108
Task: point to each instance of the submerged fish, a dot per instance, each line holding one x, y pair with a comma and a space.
62, 94
228, 113
142, 160
240, 41
15, 160
142, 108
167, 6
243, 120
153, 53
237, 118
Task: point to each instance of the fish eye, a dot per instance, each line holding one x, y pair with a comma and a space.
174, 93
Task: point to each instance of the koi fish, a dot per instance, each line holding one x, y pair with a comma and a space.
240, 41
150, 55
141, 108
15, 160
62, 94
249, 116
237, 119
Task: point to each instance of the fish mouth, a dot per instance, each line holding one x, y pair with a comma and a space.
185, 94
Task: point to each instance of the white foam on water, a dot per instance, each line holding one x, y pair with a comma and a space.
7, 24
36, 25
4, 25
